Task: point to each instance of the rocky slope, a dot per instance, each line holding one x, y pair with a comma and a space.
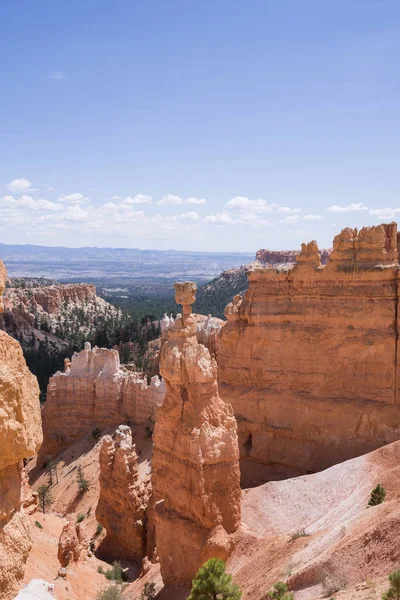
94, 391
309, 357
195, 461
58, 309
20, 438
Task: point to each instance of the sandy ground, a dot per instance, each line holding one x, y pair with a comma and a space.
314, 531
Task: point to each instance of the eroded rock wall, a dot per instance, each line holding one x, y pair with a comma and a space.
123, 498
309, 358
195, 458
95, 391
280, 257
20, 437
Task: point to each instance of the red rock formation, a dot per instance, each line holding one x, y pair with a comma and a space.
278, 257
123, 498
95, 391
195, 459
309, 358
20, 437
70, 545
59, 308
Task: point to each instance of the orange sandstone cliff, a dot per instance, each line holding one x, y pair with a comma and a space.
309, 357
95, 391
20, 437
123, 498
195, 458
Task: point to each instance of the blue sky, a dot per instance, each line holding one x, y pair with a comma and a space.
199, 125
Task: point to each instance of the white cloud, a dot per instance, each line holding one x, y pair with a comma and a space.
196, 201
312, 218
287, 209
138, 199
171, 200
290, 219
243, 203
384, 213
30, 203
297, 218
57, 75
75, 198
75, 213
191, 216
349, 208
19, 185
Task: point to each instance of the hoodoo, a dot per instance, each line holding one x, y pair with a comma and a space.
309, 357
195, 461
20, 437
123, 498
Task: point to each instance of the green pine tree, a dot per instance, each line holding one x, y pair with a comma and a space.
45, 497
212, 583
280, 591
378, 495
393, 593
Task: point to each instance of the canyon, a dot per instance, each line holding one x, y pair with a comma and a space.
259, 443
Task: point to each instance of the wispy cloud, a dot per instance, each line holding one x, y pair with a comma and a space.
335, 208
57, 75
171, 200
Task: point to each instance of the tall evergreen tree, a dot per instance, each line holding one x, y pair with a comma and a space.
213, 583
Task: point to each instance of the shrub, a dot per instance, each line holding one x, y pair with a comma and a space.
298, 534
116, 573
83, 483
111, 593
280, 591
38, 525
99, 529
96, 433
393, 593
378, 495
211, 581
80, 518
149, 592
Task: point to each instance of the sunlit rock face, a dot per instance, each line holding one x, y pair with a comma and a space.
95, 391
309, 357
123, 498
20, 437
195, 460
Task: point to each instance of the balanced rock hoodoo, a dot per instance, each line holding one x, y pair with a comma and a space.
195, 460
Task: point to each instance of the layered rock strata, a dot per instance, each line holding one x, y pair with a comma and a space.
310, 357
195, 458
282, 257
56, 309
123, 498
20, 437
95, 391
